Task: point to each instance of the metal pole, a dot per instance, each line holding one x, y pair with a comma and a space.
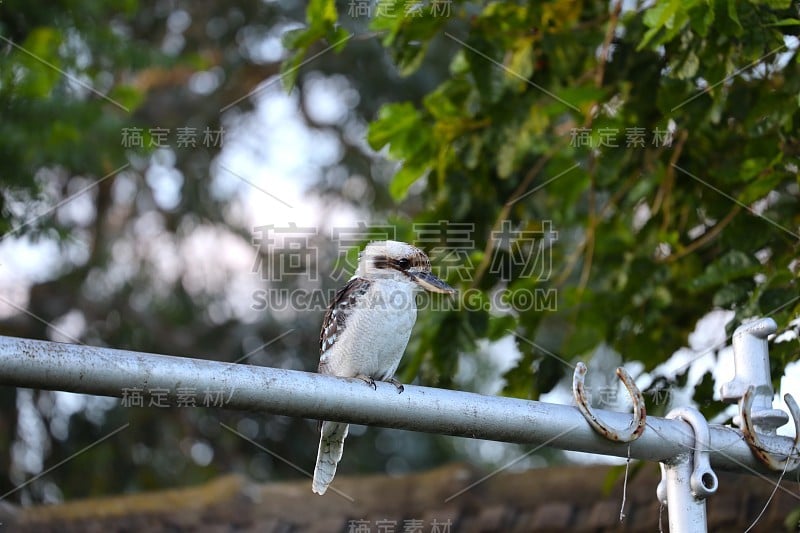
110, 372
687, 514
688, 479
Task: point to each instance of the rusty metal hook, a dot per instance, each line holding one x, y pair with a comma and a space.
748, 427
637, 425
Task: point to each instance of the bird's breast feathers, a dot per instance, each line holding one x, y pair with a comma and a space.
367, 327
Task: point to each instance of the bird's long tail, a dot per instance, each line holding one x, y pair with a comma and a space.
331, 445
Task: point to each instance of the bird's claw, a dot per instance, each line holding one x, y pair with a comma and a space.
371, 381
368, 380
397, 384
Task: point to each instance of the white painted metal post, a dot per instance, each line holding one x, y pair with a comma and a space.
687, 513
687, 480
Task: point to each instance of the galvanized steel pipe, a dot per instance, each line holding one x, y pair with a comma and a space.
111, 372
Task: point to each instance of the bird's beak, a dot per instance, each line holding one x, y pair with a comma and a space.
429, 282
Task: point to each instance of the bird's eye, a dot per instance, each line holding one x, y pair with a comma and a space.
403, 263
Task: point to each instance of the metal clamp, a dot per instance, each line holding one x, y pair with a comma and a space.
751, 363
637, 425
661, 489
702, 481
748, 427
751, 387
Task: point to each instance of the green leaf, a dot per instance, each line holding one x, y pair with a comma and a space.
688, 67
127, 95
322, 17
478, 321
338, 38
774, 4
583, 340
505, 159
394, 120
472, 158
702, 17
484, 57
291, 67
660, 14
731, 294
520, 63
499, 326
388, 20
792, 519
657, 17
404, 179
548, 373
785, 22
321, 13
519, 379
734, 17
300, 39
582, 96
760, 187
704, 396
448, 100
43, 42
783, 353
40, 62
733, 265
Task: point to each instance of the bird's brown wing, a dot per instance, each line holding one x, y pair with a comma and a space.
333, 324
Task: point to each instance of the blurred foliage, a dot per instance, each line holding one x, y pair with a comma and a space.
514, 117
76, 80
661, 142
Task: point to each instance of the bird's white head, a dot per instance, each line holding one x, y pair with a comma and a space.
399, 261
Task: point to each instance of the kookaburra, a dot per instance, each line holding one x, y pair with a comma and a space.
366, 329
